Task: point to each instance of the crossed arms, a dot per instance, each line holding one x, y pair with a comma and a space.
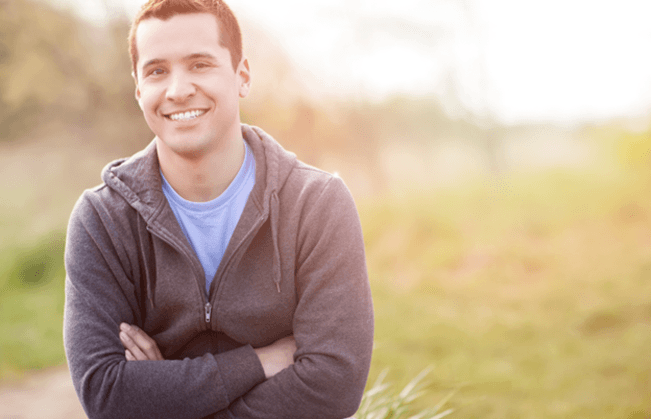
332, 326
138, 346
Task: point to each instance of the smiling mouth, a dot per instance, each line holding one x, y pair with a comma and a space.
186, 116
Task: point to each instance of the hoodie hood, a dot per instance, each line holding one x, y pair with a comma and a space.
137, 179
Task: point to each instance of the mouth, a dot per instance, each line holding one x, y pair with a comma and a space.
185, 115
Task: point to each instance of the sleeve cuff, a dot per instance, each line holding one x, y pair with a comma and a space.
241, 370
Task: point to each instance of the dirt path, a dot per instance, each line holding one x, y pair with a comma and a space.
46, 394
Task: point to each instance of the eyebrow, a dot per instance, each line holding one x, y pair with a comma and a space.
200, 55
186, 58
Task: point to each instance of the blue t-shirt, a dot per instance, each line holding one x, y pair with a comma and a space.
209, 226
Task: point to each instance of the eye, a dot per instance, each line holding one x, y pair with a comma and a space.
155, 71
200, 65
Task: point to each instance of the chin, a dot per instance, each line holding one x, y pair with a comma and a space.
187, 147
191, 150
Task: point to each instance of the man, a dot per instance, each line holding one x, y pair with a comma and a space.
212, 274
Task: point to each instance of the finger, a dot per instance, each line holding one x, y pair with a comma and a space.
146, 344
129, 355
130, 345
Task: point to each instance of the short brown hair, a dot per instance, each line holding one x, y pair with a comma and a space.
230, 36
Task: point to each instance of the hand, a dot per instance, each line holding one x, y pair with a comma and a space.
277, 356
138, 345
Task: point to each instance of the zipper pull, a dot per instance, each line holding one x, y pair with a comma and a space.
208, 309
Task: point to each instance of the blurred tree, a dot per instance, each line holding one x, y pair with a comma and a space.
56, 67
38, 46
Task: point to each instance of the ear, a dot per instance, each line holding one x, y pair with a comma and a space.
244, 76
138, 97
137, 94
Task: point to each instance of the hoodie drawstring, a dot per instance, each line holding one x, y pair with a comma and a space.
150, 276
274, 211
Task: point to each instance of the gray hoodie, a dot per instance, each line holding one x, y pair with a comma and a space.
295, 265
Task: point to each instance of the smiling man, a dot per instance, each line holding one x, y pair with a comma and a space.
212, 274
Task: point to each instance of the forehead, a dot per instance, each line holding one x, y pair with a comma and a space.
178, 36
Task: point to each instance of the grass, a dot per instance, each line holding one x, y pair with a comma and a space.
379, 402
31, 306
529, 294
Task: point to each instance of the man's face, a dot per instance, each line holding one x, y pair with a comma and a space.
186, 85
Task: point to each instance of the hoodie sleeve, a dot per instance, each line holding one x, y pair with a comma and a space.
99, 296
333, 321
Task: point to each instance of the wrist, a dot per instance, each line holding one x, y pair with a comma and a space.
240, 370
263, 358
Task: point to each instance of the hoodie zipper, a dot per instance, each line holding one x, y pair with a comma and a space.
208, 310
207, 307
217, 282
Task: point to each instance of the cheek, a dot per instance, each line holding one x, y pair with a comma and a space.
149, 99
149, 107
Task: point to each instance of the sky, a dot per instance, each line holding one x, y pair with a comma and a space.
562, 61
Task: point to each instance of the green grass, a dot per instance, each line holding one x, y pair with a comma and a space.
381, 402
529, 295
31, 306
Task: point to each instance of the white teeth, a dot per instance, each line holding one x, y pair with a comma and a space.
184, 116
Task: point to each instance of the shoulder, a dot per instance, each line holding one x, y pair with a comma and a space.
98, 201
313, 186
314, 201
101, 212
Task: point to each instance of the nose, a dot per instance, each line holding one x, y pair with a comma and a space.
180, 88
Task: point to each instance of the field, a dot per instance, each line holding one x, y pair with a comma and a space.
528, 293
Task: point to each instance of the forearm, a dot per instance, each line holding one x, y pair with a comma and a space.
331, 366
303, 390
102, 291
110, 387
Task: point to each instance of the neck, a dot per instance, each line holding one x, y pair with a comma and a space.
201, 178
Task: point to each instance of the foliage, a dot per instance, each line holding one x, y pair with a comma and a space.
379, 403
31, 306
529, 292
35, 266
55, 68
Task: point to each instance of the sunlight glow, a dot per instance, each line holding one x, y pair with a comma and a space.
557, 60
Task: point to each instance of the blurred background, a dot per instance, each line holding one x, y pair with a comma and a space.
499, 152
